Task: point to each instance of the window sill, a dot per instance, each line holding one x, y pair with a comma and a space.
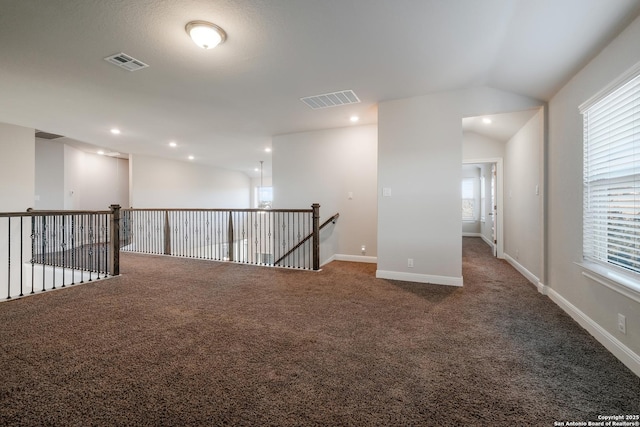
620, 282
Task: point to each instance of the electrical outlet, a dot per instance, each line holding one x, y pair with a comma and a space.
363, 249
622, 323
410, 263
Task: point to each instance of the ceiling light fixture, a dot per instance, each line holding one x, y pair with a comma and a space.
173, 144
101, 152
268, 150
191, 157
205, 34
115, 131
486, 121
354, 119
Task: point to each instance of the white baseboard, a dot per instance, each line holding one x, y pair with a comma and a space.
466, 234
351, 258
487, 241
618, 349
526, 273
420, 278
356, 258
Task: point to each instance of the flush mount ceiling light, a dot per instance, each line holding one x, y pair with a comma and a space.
486, 121
205, 34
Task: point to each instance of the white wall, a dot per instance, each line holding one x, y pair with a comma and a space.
324, 167
476, 146
523, 201
17, 168
163, 183
420, 153
591, 303
94, 182
49, 175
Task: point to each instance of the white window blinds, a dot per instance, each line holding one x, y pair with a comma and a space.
468, 199
611, 227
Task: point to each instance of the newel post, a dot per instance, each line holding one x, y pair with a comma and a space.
316, 236
167, 234
115, 240
230, 237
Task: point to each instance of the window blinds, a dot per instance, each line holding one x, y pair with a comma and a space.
611, 227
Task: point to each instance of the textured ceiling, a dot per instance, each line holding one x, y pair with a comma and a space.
224, 105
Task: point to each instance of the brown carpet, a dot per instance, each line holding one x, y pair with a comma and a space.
177, 342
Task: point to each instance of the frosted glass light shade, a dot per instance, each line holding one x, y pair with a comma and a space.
205, 34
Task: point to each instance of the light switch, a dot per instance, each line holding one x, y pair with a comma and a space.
350, 195
386, 192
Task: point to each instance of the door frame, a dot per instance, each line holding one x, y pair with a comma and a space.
498, 218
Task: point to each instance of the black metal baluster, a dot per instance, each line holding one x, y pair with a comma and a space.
191, 233
208, 233
9, 258
90, 220
33, 252
106, 243
44, 244
63, 246
52, 250
83, 255
73, 249
21, 254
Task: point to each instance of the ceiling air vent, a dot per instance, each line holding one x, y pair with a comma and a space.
46, 135
125, 61
333, 99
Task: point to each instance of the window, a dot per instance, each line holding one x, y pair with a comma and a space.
265, 197
468, 199
611, 227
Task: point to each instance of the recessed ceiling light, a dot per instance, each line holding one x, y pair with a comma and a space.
191, 157
115, 131
173, 144
268, 150
205, 34
256, 170
101, 152
486, 121
354, 119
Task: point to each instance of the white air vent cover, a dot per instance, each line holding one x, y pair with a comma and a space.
333, 99
125, 61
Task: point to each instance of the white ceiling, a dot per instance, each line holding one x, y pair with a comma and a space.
502, 127
224, 105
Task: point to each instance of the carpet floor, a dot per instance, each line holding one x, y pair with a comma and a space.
182, 342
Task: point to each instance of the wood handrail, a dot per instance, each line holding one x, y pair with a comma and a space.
215, 210
32, 212
324, 224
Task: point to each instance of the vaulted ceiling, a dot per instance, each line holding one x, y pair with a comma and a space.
224, 105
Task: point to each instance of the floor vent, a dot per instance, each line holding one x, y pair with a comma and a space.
125, 61
334, 99
47, 135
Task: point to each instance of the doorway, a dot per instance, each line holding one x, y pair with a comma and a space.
482, 202
513, 143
